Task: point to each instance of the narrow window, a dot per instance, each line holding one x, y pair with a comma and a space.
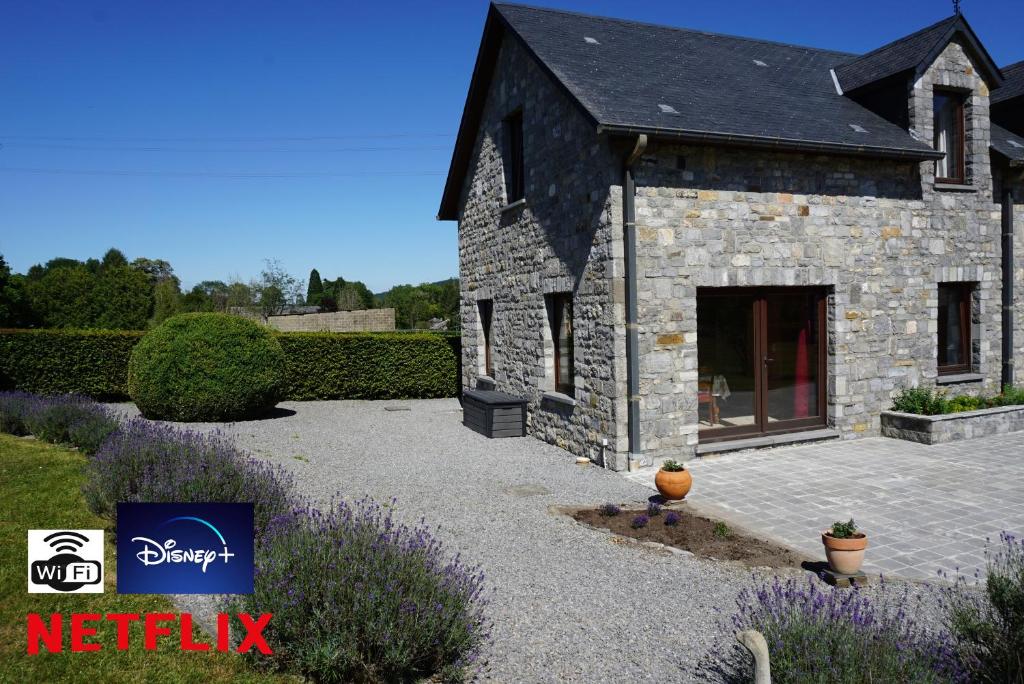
955, 327
515, 186
949, 136
560, 316
486, 307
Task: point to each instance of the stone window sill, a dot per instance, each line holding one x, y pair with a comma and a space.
513, 205
558, 398
955, 378
954, 187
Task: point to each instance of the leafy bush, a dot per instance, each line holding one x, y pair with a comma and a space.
51, 362
13, 407
357, 596
319, 365
206, 367
146, 462
671, 466
841, 636
988, 628
925, 402
370, 365
1011, 396
69, 419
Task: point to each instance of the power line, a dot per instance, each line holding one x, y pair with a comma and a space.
308, 138
93, 148
218, 174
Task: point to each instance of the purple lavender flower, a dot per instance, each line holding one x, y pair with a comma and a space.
639, 521
653, 509
672, 518
609, 510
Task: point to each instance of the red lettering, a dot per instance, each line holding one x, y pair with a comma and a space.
152, 631
50, 637
79, 630
254, 636
223, 631
122, 620
186, 636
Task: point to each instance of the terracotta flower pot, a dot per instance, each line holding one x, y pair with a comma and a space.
673, 485
845, 555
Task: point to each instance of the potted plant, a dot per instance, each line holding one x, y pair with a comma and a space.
673, 480
844, 547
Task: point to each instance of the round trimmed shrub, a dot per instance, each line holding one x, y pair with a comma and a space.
206, 367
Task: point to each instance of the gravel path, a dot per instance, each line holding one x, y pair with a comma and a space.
569, 603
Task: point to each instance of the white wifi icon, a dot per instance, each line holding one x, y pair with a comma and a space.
66, 541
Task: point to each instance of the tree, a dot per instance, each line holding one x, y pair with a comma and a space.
315, 289
123, 297
158, 270
167, 301
15, 311
114, 258
272, 300
64, 297
288, 288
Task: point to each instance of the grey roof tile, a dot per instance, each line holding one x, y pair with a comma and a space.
1013, 83
1008, 144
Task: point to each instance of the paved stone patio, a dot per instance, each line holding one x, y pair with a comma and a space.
924, 508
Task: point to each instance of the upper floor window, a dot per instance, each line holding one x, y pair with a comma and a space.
486, 307
560, 317
949, 136
955, 319
515, 186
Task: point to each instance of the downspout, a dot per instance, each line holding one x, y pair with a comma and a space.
632, 317
1007, 263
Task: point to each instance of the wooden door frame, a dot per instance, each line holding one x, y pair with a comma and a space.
759, 312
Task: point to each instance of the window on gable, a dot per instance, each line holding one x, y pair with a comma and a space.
515, 186
949, 136
955, 319
486, 308
560, 318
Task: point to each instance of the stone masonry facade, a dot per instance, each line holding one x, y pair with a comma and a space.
878, 236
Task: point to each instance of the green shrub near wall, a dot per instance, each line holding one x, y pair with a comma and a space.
320, 365
91, 362
370, 366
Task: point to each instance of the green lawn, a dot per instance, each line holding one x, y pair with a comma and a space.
40, 489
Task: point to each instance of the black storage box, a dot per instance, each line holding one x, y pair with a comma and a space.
494, 414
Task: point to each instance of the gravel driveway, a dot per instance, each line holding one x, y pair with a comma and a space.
569, 603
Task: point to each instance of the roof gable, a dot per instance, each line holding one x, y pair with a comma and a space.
914, 52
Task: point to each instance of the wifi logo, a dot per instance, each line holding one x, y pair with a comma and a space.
65, 561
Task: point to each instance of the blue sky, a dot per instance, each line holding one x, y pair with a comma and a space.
216, 134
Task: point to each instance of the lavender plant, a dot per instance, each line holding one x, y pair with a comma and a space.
146, 462
13, 407
988, 625
359, 596
653, 509
830, 636
672, 518
69, 419
609, 510
639, 521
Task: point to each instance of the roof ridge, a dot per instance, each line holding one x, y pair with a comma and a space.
948, 20
681, 29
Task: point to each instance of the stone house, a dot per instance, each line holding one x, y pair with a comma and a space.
673, 242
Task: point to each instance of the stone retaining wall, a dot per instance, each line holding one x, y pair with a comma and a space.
953, 427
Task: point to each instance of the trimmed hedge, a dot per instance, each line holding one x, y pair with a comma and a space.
320, 365
206, 367
46, 362
370, 366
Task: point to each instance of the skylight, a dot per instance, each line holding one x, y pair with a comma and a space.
760, 63
667, 109
859, 129
592, 41
1016, 144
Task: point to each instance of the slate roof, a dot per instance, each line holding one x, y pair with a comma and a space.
1008, 144
1013, 84
910, 52
628, 77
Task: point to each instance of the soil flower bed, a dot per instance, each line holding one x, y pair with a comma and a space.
685, 530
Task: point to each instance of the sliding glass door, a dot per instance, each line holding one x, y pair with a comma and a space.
761, 359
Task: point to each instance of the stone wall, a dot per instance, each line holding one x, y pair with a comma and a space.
560, 239
879, 235
366, 320
953, 427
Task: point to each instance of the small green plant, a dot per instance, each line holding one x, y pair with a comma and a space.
721, 530
670, 466
925, 402
843, 530
966, 403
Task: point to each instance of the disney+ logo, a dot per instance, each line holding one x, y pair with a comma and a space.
202, 548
